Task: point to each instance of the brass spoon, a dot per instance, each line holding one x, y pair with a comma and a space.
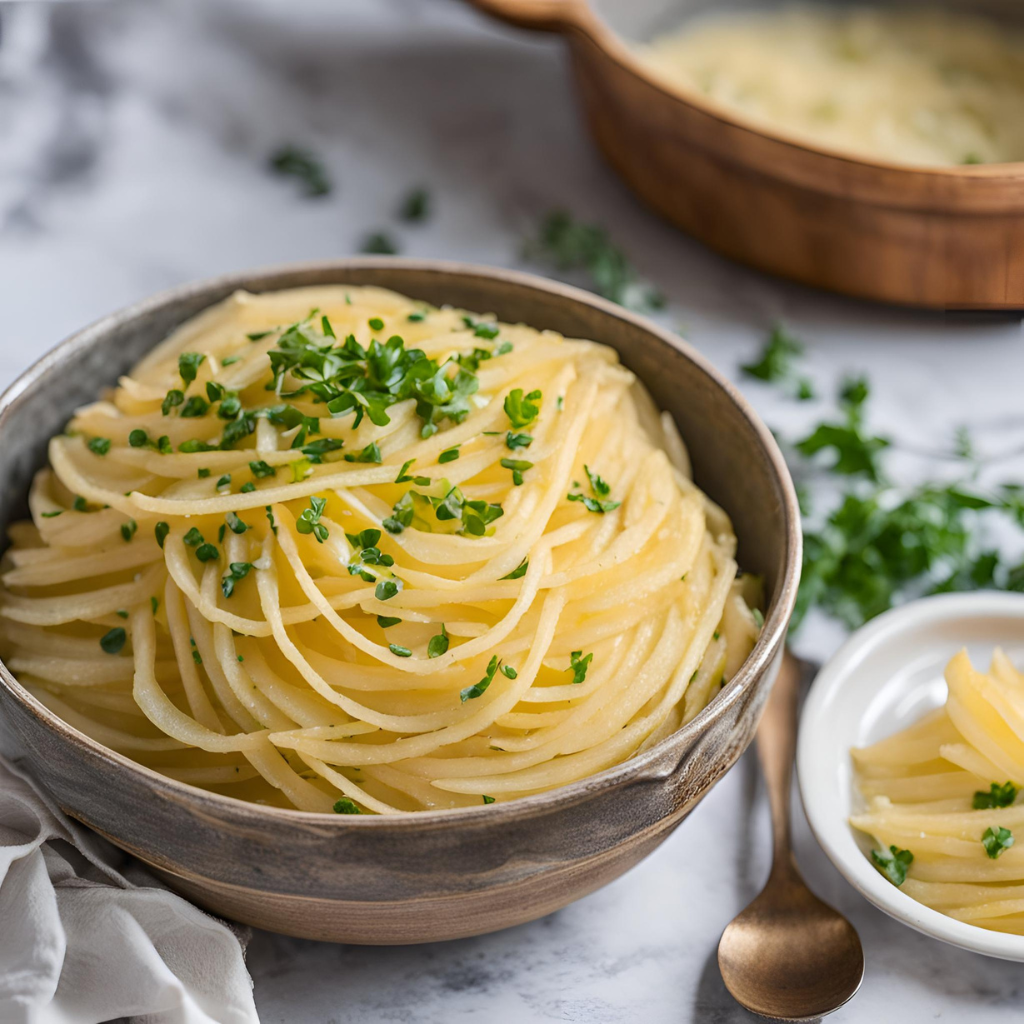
788, 955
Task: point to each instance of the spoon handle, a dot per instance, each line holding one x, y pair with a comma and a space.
776, 745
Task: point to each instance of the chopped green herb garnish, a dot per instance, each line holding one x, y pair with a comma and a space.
386, 621
259, 335
449, 454
121, 613
188, 365
236, 571
399, 652
53, 514
99, 445
597, 484
154, 604
301, 164
438, 643
371, 453
270, 518
996, 841
519, 571
193, 538
997, 796
775, 363
894, 864
415, 207
379, 243
207, 553
309, 521
403, 476
571, 245
161, 530
478, 689
346, 806
578, 665
416, 317
364, 539
236, 524
261, 469
172, 400
509, 672
518, 467
514, 441
522, 411
230, 360
114, 641
376, 324
593, 504
488, 799
128, 529
386, 589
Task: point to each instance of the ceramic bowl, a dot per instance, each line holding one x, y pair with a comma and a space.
885, 677
940, 237
423, 876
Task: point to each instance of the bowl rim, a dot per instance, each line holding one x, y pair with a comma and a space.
757, 662
580, 17
834, 834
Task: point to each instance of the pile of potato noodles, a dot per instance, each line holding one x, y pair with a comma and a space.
946, 790
916, 85
372, 605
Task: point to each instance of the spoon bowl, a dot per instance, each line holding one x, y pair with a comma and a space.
789, 955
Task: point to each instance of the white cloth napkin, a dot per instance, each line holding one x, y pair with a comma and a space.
88, 935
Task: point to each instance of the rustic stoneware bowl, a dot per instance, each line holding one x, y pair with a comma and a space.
416, 877
941, 237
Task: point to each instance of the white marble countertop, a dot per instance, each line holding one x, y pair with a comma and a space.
134, 143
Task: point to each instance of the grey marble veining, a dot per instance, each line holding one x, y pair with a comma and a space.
133, 147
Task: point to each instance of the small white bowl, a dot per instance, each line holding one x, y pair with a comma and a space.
882, 679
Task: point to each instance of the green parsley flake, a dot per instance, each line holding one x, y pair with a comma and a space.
478, 689
488, 799
438, 644
399, 651
161, 530
346, 806
207, 553
514, 441
128, 529
997, 796
99, 445
114, 641
415, 206
449, 454
301, 164
894, 864
518, 467
996, 841
309, 521
386, 621
519, 571
188, 365
578, 665
522, 411
236, 571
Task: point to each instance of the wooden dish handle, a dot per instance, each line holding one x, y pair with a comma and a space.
539, 15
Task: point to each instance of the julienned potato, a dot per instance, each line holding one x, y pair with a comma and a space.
330, 548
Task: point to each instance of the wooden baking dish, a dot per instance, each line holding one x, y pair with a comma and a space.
950, 237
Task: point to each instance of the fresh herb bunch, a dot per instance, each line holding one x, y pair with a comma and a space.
571, 245
883, 543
